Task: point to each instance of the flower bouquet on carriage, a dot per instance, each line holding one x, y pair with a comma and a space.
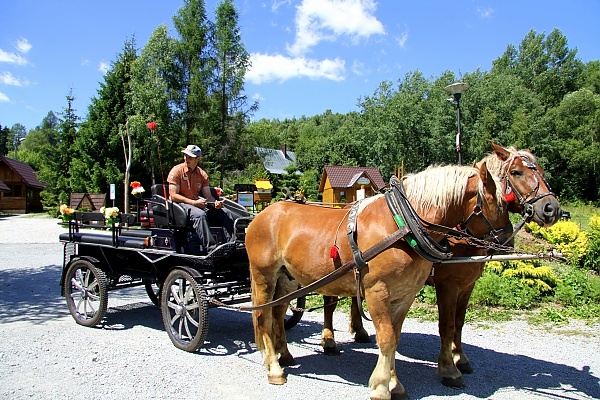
67, 214
137, 190
111, 214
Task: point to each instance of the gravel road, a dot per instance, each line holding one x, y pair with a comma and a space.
44, 354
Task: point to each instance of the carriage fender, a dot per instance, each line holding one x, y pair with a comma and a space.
192, 271
64, 271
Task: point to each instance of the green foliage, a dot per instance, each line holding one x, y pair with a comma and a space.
577, 288
592, 256
566, 237
427, 295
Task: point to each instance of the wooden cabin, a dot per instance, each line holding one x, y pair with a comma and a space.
87, 201
21, 191
344, 184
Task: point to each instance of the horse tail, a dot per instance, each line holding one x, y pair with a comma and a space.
256, 314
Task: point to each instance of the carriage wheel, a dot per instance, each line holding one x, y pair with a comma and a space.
184, 310
294, 316
153, 291
86, 293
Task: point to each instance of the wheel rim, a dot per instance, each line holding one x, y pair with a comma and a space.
184, 311
86, 293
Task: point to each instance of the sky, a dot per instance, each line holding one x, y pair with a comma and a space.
308, 56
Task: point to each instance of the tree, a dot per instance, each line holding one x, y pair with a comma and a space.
4, 133
193, 64
231, 63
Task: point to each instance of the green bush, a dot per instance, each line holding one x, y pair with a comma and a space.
592, 257
492, 290
577, 288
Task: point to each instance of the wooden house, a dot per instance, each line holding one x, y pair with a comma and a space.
87, 201
21, 190
343, 184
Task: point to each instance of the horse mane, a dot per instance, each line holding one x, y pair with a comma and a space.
496, 166
439, 186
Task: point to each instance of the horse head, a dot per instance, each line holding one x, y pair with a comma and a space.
526, 191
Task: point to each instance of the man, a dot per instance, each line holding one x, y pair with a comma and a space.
189, 186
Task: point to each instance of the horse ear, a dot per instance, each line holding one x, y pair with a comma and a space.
488, 180
500, 151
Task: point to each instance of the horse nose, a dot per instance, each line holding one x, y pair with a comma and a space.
552, 212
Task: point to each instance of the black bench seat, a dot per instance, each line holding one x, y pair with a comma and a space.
105, 240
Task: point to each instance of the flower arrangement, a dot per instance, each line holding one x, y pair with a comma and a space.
137, 189
66, 213
111, 214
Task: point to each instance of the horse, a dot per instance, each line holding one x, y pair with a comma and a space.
526, 192
290, 242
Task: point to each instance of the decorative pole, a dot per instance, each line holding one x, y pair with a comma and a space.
457, 89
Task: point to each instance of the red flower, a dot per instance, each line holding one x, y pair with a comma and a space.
151, 125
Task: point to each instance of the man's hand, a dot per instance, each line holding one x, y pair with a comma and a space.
219, 204
200, 203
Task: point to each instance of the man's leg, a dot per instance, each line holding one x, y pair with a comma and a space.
222, 217
198, 217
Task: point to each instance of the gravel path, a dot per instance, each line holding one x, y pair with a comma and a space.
44, 354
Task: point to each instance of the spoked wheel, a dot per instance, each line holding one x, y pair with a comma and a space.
153, 291
294, 314
86, 293
184, 310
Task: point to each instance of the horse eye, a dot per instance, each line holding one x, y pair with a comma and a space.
516, 172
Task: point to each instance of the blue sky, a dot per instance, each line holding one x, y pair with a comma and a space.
308, 55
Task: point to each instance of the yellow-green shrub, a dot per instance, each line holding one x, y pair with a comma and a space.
530, 273
565, 236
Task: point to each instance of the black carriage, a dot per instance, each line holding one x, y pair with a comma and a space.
165, 256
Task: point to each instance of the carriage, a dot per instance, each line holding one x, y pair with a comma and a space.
166, 258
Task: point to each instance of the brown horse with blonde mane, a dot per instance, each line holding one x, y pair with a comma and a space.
290, 240
525, 191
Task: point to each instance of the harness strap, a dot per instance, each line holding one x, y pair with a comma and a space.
367, 255
404, 213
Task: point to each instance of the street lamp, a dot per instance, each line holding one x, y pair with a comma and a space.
457, 89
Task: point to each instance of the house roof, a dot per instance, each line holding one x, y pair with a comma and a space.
98, 200
3, 187
25, 172
345, 176
276, 161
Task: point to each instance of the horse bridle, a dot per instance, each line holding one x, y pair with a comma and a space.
493, 234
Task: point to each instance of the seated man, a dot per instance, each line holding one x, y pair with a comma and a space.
190, 187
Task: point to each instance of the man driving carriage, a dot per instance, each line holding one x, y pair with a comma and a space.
190, 187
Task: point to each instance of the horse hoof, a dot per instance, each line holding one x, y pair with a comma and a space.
453, 382
287, 360
331, 351
362, 338
277, 380
465, 368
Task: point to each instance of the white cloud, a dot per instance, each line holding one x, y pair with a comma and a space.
8, 79
257, 96
318, 20
23, 45
359, 68
278, 3
485, 12
402, 38
4, 97
84, 61
103, 67
12, 58
267, 68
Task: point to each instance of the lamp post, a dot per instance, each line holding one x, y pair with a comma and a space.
457, 89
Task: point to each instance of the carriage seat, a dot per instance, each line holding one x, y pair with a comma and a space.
176, 216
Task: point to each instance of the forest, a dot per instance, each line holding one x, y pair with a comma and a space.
186, 89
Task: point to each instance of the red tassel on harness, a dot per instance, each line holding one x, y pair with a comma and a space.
509, 196
333, 252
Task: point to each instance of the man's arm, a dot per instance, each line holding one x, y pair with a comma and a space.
179, 198
209, 197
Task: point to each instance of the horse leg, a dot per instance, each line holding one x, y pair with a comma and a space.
447, 297
327, 337
356, 323
262, 292
383, 382
283, 287
462, 361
